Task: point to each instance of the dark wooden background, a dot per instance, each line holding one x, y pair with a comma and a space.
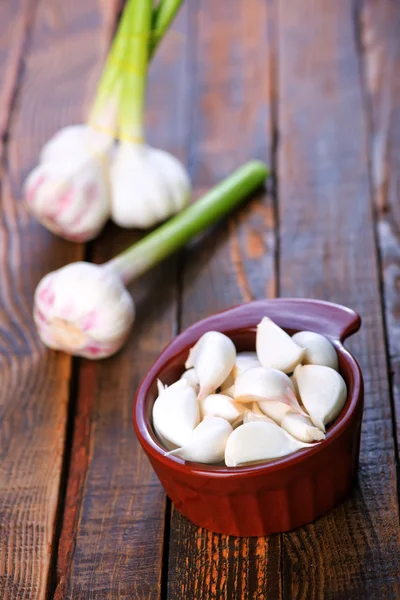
311, 87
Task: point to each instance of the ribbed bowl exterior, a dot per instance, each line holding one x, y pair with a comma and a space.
265, 503
268, 498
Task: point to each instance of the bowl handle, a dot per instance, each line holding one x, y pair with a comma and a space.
333, 320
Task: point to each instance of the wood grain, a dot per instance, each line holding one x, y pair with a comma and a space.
15, 18
112, 541
212, 102
379, 26
34, 382
232, 122
328, 250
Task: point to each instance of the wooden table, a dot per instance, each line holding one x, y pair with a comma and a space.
311, 87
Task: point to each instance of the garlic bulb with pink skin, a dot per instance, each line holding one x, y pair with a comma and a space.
147, 185
68, 192
86, 310
71, 140
83, 309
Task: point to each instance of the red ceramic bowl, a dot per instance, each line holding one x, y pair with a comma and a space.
282, 494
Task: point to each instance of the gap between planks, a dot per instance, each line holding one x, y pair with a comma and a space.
191, 72
203, 564
325, 203
69, 433
94, 537
377, 34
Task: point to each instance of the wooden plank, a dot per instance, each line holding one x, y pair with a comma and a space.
112, 540
15, 19
379, 26
232, 123
328, 250
34, 382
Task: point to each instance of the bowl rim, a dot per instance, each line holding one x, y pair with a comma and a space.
154, 448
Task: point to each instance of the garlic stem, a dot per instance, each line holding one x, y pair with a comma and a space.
163, 15
173, 234
109, 87
134, 68
108, 96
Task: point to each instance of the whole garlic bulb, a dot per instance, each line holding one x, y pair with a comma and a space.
68, 192
148, 185
71, 140
83, 309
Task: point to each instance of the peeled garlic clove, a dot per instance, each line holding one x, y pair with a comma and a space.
191, 378
219, 405
83, 309
176, 413
323, 393
255, 414
228, 383
229, 391
244, 361
319, 350
68, 191
207, 442
275, 348
297, 424
264, 386
274, 409
160, 386
301, 427
260, 383
212, 357
295, 387
258, 441
166, 443
147, 185
257, 410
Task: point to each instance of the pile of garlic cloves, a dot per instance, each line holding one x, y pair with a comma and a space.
242, 408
